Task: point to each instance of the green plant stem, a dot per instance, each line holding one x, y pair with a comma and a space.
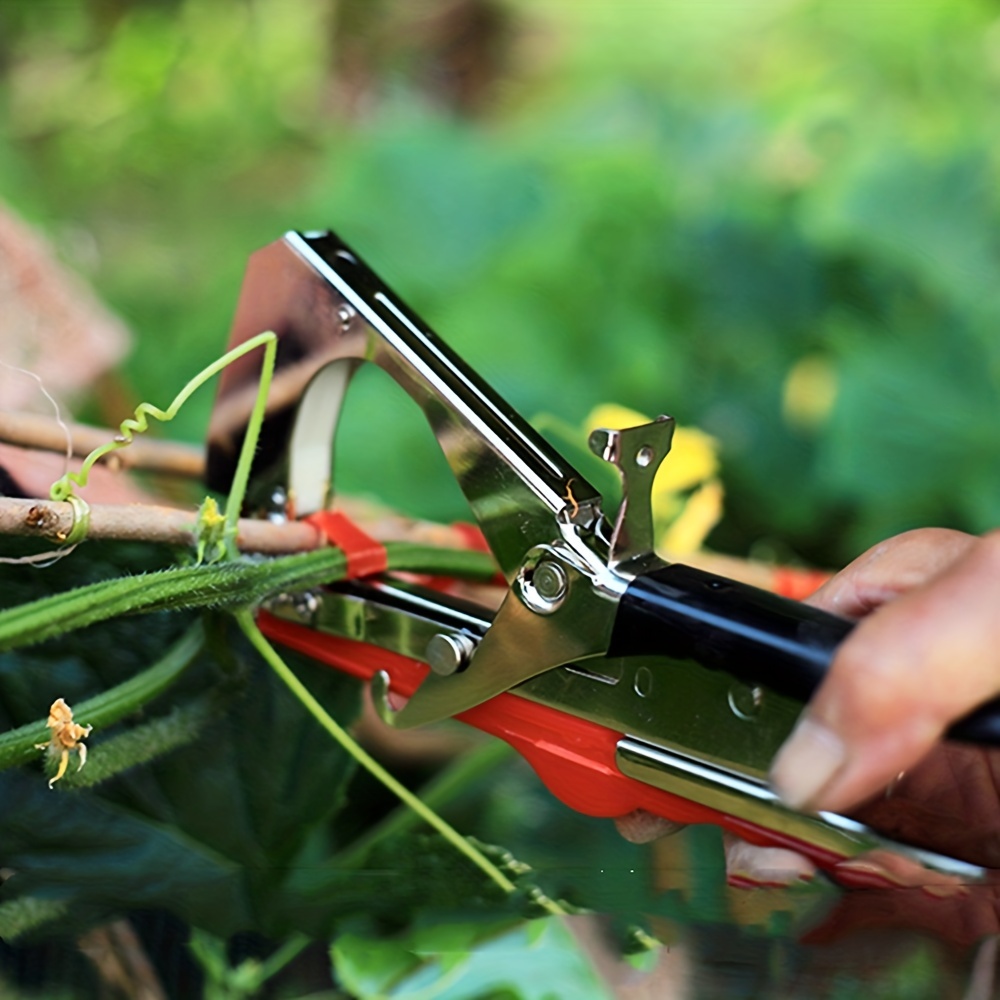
243, 981
237, 491
18, 745
238, 584
279, 958
368, 762
464, 771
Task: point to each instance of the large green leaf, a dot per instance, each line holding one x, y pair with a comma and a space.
210, 831
465, 962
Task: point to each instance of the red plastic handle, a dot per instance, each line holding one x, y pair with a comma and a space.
575, 758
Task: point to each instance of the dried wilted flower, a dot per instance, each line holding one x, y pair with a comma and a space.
67, 736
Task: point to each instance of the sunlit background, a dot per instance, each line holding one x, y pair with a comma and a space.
775, 219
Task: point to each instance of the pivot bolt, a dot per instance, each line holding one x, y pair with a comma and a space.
550, 581
448, 654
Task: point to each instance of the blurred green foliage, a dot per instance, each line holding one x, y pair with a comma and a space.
669, 206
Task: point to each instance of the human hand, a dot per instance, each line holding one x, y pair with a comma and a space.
925, 652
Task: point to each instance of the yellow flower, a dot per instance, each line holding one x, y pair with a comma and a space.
693, 458
699, 515
209, 532
614, 417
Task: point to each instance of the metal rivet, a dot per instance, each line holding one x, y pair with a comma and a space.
643, 682
448, 654
549, 580
307, 604
301, 607
345, 314
277, 505
745, 701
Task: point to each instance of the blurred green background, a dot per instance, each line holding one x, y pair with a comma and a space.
775, 219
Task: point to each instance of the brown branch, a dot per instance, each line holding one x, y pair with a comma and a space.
53, 521
142, 522
29, 430
121, 962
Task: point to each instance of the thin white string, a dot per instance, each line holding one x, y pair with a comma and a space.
42, 560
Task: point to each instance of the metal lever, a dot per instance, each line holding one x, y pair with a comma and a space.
637, 453
552, 615
331, 313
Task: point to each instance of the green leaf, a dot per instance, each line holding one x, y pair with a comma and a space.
368, 967
24, 915
538, 961
99, 859
213, 829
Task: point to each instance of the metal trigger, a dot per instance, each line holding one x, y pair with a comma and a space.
379, 688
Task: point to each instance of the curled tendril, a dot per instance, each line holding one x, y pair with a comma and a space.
62, 488
81, 520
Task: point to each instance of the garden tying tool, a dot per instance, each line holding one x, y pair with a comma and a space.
627, 682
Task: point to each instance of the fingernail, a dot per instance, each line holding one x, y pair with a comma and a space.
748, 865
806, 764
641, 827
858, 873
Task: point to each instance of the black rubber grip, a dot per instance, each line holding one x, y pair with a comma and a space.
752, 634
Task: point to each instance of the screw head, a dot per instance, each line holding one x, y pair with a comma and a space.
345, 314
746, 701
549, 580
448, 654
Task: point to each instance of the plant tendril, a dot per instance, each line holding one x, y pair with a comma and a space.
62, 489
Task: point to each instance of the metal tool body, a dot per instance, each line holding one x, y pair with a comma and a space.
628, 683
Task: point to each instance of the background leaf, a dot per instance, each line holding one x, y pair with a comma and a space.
530, 962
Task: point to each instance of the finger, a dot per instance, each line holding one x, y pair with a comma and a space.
750, 866
904, 674
641, 827
884, 869
891, 568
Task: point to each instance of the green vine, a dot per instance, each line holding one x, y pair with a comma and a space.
420, 808
62, 488
220, 579
228, 586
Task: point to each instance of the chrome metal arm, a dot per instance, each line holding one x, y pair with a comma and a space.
331, 313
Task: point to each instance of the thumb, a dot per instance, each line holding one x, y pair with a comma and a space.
910, 668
